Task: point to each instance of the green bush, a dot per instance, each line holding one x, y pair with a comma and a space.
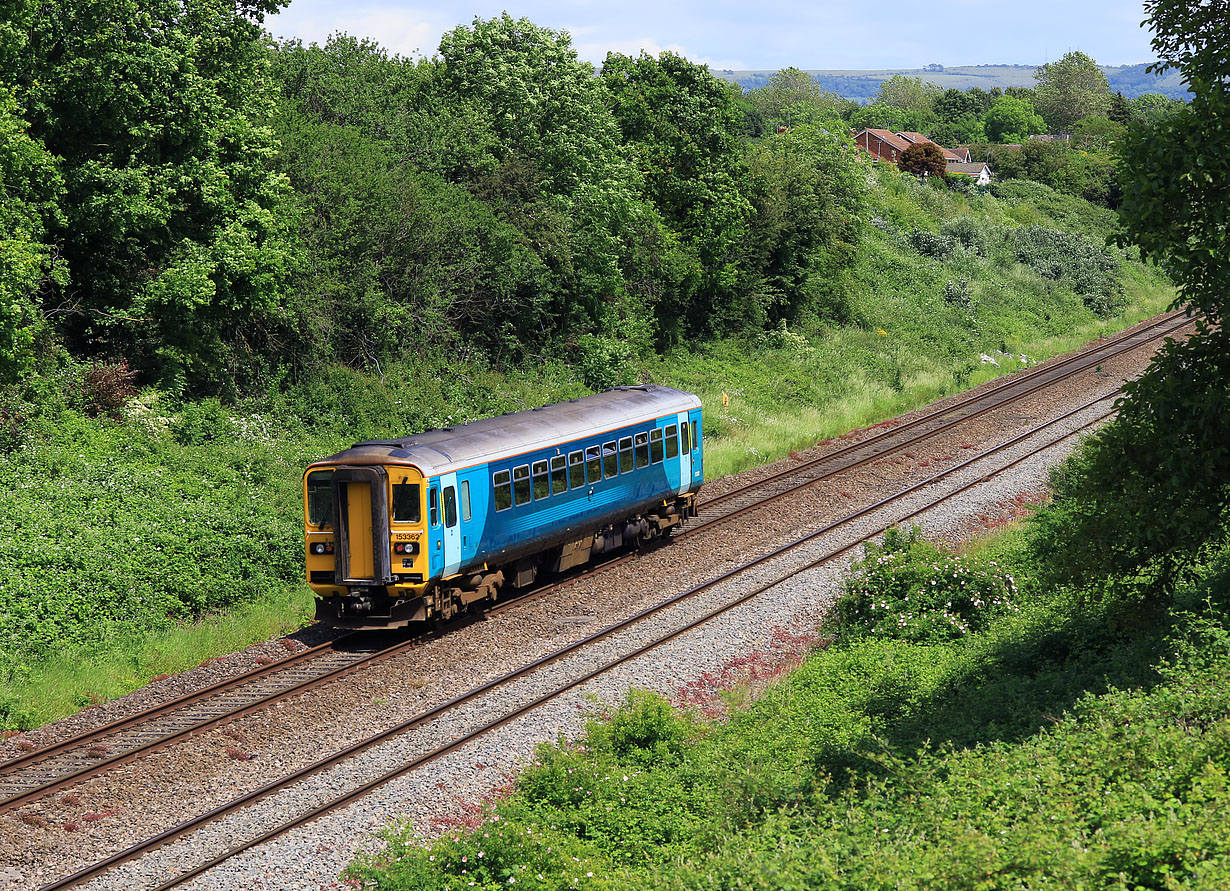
1074, 260
906, 588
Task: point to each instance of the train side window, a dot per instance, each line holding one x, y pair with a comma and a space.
672, 442
450, 507
625, 455
687, 440
433, 505
642, 450
502, 482
406, 506
695, 438
655, 445
610, 460
542, 483
576, 470
465, 501
593, 463
521, 484
559, 474
320, 498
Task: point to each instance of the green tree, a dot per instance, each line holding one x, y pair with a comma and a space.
806, 188
682, 126
31, 190
911, 93
1070, 89
793, 97
1155, 486
1012, 120
155, 109
1149, 108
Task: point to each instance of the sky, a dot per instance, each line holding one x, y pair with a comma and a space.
763, 34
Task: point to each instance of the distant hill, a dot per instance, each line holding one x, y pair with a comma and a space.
862, 86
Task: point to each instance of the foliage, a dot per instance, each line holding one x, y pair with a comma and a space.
792, 97
1072, 259
1012, 120
682, 126
1155, 481
170, 236
1069, 89
1062, 744
910, 93
923, 158
906, 588
31, 189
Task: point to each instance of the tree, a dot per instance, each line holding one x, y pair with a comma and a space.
1149, 108
1071, 89
910, 93
923, 158
1155, 486
793, 97
682, 126
1012, 120
170, 230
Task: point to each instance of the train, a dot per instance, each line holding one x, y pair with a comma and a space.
400, 531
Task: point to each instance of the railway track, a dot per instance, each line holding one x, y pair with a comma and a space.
54, 767
44, 771
576, 663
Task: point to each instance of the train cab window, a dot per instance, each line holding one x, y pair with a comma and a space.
625, 455
642, 450
450, 507
465, 501
672, 442
521, 484
655, 445
695, 438
687, 440
593, 463
542, 483
320, 498
406, 506
559, 474
576, 470
610, 460
501, 481
433, 505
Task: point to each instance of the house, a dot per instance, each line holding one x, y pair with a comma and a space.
883, 145
887, 145
979, 172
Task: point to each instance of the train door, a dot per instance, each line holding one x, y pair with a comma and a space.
685, 455
452, 525
697, 454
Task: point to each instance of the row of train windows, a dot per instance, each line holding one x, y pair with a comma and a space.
581, 468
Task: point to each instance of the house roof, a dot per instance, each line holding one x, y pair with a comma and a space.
973, 169
887, 136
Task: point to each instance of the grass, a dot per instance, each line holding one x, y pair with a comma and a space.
68, 680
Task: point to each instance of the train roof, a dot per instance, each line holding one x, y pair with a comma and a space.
491, 439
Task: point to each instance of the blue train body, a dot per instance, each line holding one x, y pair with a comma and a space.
405, 530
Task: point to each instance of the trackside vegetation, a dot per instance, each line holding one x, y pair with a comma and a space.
1002, 734
1049, 709
132, 512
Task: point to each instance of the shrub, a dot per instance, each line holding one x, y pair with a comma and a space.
959, 293
932, 244
969, 233
908, 589
1086, 268
107, 387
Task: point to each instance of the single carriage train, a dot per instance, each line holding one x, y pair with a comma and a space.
404, 530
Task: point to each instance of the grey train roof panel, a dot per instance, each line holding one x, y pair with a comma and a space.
440, 451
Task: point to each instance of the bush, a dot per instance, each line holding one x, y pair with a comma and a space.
1086, 268
932, 244
908, 589
969, 233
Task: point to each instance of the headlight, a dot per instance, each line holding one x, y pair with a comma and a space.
318, 548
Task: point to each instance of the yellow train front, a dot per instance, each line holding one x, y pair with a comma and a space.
405, 530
